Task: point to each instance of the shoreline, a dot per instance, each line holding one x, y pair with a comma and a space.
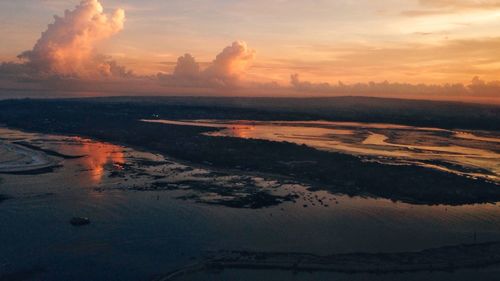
314, 185
24, 159
447, 258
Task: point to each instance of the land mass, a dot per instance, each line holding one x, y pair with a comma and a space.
17, 158
447, 258
118, 121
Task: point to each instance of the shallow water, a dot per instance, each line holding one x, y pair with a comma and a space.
137, 232
472, 154
18, 158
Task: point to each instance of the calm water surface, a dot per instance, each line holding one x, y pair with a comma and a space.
138, 232
472, 154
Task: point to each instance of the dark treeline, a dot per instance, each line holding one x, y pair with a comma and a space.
449, 115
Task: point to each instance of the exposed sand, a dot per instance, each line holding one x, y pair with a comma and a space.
15, 158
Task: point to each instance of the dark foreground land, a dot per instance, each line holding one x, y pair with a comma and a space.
117, 120
448, 258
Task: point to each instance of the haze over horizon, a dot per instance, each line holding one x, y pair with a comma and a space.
425, 49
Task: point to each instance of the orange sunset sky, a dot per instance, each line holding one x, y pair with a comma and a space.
422, 47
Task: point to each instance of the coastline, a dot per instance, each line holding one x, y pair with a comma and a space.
21, 159
447, 258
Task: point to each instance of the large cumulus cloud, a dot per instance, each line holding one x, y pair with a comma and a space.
227, 70
66, 48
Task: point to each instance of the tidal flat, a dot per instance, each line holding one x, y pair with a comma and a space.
169, 214
459, 152
162, 197
120, 122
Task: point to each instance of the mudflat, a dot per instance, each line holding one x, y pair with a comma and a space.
15, 158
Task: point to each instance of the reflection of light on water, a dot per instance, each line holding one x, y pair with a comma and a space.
469, 136
98, 155
340, 227
241, 131
463, 153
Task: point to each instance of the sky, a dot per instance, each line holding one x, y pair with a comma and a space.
307, 45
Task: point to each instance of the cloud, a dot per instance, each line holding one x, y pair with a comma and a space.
483, 4
477, 88
66, 48
230, 64
15, 70
480, 87
437, 63
227, 70
65, 58
187, 67
438, 7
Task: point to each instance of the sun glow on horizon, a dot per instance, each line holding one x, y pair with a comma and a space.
411, 41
